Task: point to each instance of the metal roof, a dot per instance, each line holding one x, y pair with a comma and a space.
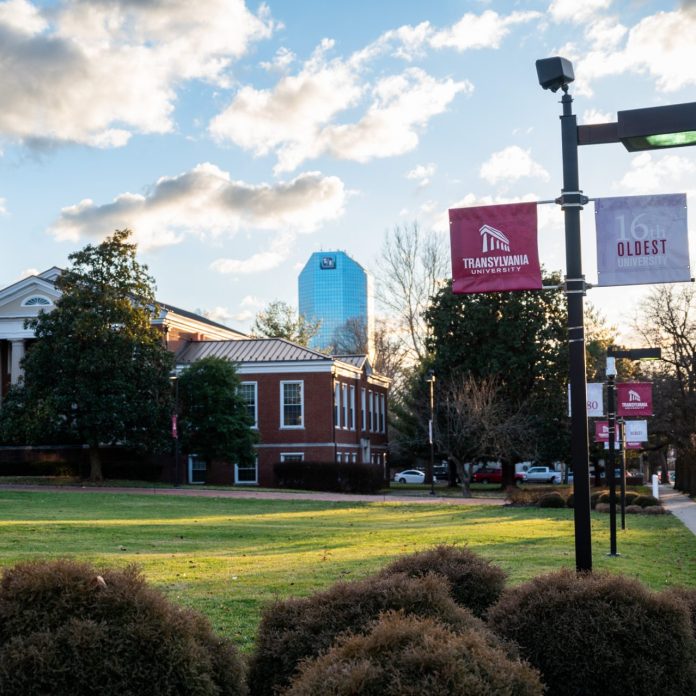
250, 350
354, 360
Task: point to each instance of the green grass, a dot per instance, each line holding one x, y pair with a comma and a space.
228, 557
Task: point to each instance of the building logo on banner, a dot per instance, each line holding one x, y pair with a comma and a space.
634, 399
642, 239
635, 432
494, 248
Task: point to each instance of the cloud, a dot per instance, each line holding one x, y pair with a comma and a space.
650, 173
511, 164
284, 57
296, 119
590, 116
3, 206
486, 30
267, 260
577, 12
207, 201
660, 45
421, 174
97, 71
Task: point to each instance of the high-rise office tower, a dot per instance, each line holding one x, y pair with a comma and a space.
336, 290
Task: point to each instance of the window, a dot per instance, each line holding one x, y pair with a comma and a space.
354, 458
339, 457
381, 414
292, 456
36, 301
371, 414
337, 405
248, 392
291, 404
363, 409
247, 474
344, 391
196, 469
352, 407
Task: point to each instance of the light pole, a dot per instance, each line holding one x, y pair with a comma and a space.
174, 377
431, 381
638, 129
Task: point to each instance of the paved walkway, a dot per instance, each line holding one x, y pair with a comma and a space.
680, 505
262, 495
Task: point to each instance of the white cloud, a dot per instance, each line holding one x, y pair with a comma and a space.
574, 11
207, 201
296, 119
511, 164
267, 260
284, 57
3, 206
27, 272
421, 174
593, 116
222, 315
97, 71
486, 30
251, 301
660, 45
651, 173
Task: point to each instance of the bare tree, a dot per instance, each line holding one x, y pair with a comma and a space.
477, 424
412, 267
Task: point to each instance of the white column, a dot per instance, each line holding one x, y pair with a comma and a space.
16, 357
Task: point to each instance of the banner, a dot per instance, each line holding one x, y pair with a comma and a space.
634, 399
595, 404
642, 239
494, 248
635, 432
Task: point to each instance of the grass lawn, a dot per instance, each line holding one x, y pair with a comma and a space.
227, 557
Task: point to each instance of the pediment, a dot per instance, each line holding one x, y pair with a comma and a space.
28, 296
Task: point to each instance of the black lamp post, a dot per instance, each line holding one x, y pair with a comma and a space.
638, 129
174, 377
431, 381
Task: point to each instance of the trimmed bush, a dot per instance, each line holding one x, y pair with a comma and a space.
570, 500
653, 510
634, 509
410, 656
631, 497
67, 629
474, 582
686, 595
581, 631
602, 507
552, 500
594, 497
646, 501
341, 477
295, 629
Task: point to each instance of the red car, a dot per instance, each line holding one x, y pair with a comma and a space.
490, 475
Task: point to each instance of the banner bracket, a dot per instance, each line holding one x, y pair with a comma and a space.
572, 199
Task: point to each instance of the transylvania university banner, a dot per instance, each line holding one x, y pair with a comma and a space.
634, 399
494, 248
642, 239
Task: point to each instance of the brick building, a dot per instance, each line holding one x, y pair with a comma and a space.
306, 406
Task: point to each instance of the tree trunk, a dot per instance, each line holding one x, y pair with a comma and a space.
508, 476
464, 471
95, 464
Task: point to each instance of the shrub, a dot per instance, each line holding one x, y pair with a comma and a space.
342, 477
552, 500
570, 500
411, 656
653, 510
686, 595
602, 507
295, 629
630, 497
634, 509
581, 631
474, 582
646, 500
67, 629
594, 497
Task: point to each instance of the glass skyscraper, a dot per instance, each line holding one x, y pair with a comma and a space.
334, 288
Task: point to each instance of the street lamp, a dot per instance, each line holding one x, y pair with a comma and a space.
431, 381
174, 378
638, 129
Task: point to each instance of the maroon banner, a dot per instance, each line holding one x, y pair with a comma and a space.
634, 399
494, 248
175, 429
601, 431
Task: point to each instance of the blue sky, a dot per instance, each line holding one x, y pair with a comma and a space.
236, 139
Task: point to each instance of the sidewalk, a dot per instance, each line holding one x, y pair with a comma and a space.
680, 505
261, 495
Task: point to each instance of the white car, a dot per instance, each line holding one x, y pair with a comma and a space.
542, 474
410, 476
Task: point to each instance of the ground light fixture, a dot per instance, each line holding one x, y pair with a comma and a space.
430, 379
638, 129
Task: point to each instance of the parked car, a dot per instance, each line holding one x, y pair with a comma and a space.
441, 473
410, 476
490, 475
542, 474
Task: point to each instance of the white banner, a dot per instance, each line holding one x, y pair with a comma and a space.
595, 403
636, 430
642, 239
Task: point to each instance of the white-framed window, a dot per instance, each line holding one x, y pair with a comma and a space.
292, 456
249, 392
363, 408
292, 404
344, 396
354, 458
337, 405
382, 414
247, 474
197, 469
371, 413
37, 301
339, 457
352, 407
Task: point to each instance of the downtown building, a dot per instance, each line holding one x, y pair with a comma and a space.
336, 290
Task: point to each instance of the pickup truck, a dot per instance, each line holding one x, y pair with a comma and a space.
542, 474
490, 475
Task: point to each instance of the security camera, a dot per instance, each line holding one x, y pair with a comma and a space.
554, 73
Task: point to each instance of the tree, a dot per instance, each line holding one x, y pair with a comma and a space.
98, 369
280, 320
412, 267
214, 421
519, 340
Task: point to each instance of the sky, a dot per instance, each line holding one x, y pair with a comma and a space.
235, 139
